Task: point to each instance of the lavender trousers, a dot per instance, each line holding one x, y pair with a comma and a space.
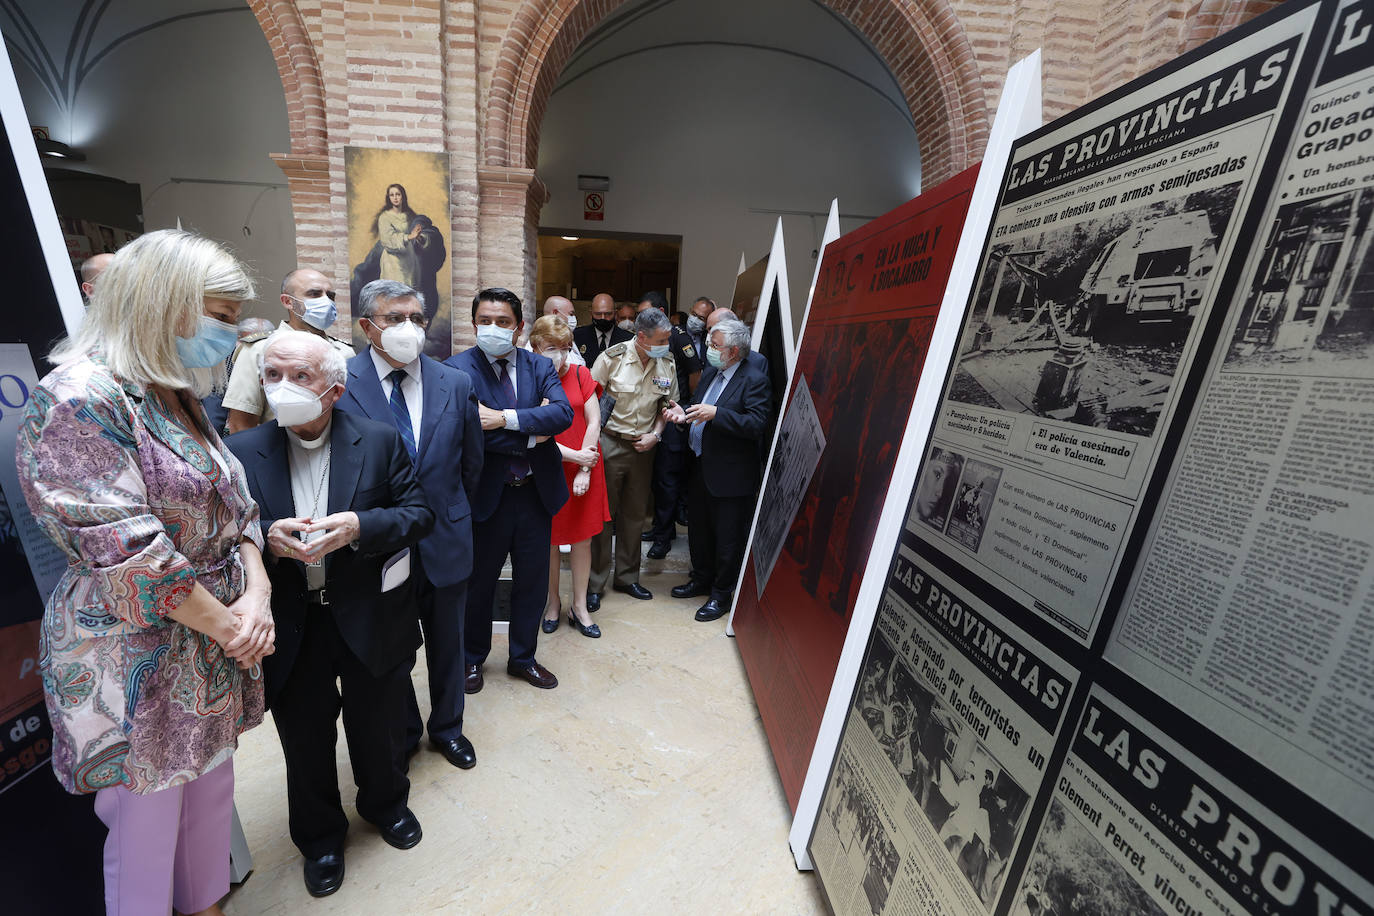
169, 848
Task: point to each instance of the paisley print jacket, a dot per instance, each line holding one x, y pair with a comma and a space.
142, 512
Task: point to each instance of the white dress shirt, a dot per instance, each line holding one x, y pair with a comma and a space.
512, 371
411, 390
309, 464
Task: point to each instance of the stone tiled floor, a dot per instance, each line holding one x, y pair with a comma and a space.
642, 783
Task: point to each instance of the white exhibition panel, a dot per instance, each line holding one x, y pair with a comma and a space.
1018, 113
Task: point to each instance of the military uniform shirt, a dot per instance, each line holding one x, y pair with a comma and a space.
639, 390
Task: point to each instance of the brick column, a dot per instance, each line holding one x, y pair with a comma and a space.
308, 178
509, 205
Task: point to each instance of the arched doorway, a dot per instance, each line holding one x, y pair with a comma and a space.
924, 45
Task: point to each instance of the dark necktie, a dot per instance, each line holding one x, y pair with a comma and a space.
400, 413
517, 468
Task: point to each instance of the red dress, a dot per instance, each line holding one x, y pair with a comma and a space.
585, 515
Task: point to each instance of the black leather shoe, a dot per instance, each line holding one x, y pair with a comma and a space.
404, 832
635, 590
324, 876
534, 674
472, 678
659, 550
691, 589
593, 602
712, 610
591, 631
548, 626
457, 751
647, 536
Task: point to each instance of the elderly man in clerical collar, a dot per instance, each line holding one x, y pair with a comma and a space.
341, 510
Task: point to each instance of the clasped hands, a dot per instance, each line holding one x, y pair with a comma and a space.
334, 532
255, 632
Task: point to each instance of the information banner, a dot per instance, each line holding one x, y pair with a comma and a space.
1251, 609
867, 331
1097, 280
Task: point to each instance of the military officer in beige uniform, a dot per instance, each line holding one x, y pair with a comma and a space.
641, 376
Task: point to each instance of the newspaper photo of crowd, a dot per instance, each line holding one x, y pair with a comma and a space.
854, 818
965, 793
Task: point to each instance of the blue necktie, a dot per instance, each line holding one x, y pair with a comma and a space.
400, 413
694, 436
516, 468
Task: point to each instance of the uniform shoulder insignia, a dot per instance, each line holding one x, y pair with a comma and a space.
616, 349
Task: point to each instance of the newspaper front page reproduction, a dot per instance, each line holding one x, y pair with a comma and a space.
944, 749
1139, 825
800, 445
1096, 284
1253, 606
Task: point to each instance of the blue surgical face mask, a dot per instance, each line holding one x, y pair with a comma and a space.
715, 358
213, 342
319, 313
494, 340
657, 352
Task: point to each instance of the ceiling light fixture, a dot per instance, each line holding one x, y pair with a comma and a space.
572, 238
56, 149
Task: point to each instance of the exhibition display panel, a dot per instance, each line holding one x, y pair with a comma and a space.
1122, 660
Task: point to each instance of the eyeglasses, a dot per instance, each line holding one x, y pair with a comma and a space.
396, 319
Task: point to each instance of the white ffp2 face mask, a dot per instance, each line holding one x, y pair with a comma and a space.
293, 405
403, 342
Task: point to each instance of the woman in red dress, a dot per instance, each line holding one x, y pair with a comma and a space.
587, 510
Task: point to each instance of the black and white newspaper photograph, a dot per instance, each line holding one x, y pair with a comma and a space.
1252, 605
865, 840
1138, 824
1097, 280
800, 442
952, 720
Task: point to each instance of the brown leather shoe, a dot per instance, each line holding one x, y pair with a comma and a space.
472, 681
533, 673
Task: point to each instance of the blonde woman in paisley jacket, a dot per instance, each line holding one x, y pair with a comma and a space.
152, 638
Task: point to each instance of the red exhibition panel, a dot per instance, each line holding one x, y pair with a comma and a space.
874, 308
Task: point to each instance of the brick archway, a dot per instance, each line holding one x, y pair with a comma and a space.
1209, 18
299, 70
937, 72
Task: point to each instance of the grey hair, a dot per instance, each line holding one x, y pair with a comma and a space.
735, 333
651, 321
255, 325
154, 289
331, 362
390, 290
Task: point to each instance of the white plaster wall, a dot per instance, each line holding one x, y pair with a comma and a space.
697, 135
198, 98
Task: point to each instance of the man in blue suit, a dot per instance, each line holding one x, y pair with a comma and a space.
729, 416
434, 409
522, 407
